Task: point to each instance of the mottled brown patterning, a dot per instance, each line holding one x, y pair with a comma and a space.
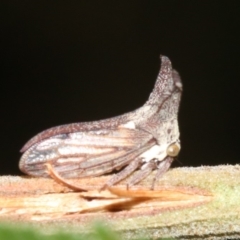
145, 139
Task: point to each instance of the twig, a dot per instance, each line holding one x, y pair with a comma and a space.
188, 203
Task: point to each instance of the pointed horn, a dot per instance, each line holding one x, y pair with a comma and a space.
164, 84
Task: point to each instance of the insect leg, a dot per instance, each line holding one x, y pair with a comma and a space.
163, 166
123, 174
148, 168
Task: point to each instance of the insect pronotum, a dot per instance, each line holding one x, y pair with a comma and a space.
146, 139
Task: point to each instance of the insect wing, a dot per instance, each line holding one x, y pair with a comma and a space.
86, 154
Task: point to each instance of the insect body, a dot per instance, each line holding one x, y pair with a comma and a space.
145, 139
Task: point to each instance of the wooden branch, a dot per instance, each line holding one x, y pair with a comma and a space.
188, 202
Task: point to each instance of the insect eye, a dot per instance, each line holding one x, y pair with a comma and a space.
173, 150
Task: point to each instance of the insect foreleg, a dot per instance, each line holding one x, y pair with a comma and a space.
162, 167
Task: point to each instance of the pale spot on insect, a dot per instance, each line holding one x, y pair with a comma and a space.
98, 141
130, 125
74, 150
70, 160
158, 152
48, 144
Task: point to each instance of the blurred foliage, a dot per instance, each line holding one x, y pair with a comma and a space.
99, 232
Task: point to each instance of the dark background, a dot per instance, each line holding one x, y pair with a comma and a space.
71, 61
